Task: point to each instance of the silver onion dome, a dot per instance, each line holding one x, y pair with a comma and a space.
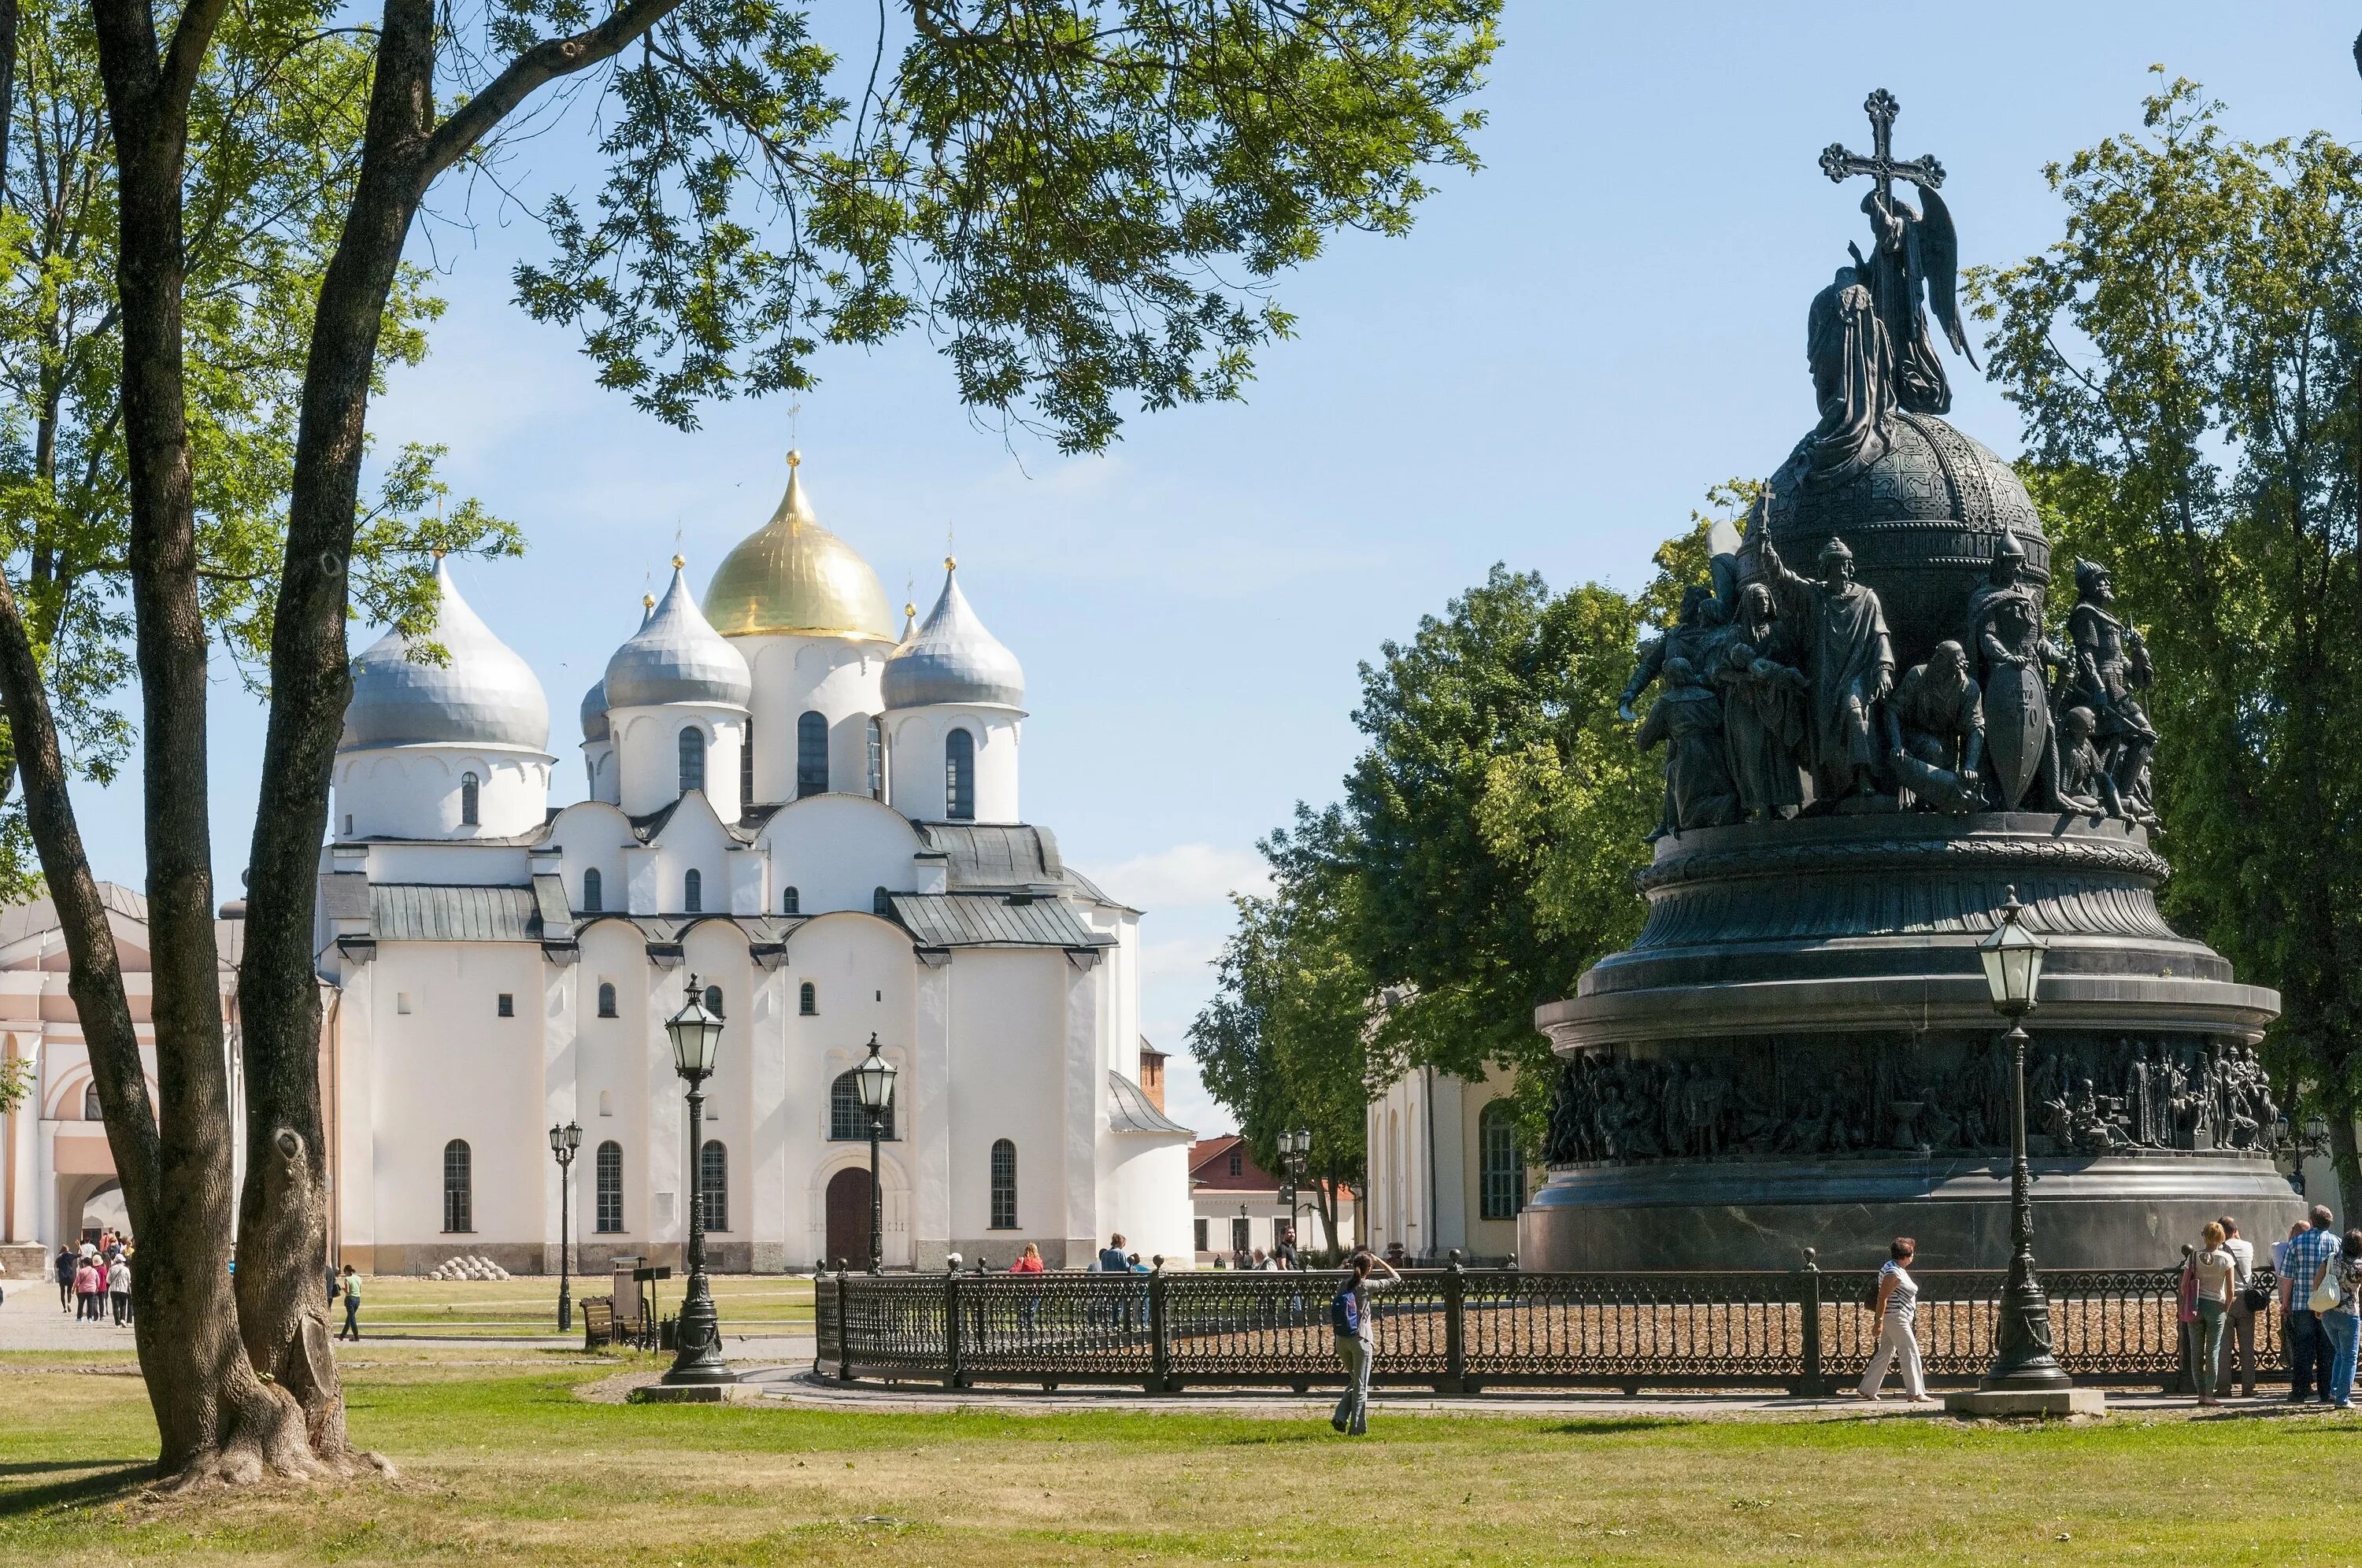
594, 712
481, 694
952, 658
677, 656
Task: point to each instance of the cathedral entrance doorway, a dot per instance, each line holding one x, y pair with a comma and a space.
848, 1218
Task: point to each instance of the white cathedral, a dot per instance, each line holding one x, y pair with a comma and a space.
816, 819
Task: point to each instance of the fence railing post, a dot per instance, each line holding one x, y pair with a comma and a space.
1455, 1325
951, 1323
1160, 1338
843, 1327
1808, 1296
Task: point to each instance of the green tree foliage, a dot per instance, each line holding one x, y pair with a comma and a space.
1483, 856
1284, 1045
2188, 359
1088, 198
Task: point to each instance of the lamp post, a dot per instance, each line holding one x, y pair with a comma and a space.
2023, 1362
696, 1337
563, 1142
874, 1079
1294, 1147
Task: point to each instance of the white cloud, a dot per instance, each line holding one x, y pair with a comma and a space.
1186, 874
1183, 956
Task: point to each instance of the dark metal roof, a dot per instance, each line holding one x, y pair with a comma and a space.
419, 912
987, 855
984, 920
1131, 1110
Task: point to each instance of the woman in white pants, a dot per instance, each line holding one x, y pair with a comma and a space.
1898, 1321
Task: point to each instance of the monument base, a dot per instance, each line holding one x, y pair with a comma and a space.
2089, 1213
694, 1393
1999, 1402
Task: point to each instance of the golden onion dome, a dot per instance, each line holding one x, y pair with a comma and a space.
792, 577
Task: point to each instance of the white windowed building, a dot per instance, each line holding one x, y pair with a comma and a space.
815, 816
1445, 1171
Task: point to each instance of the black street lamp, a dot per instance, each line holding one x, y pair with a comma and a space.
2023, 1362
874, 1081
1293, 1148
697, 1336
563, 1142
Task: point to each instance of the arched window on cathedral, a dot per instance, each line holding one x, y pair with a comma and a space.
606, 1102
692, 891
877, 758
790, 902
607, 998
611, 1185
693, 759
747, 765
848, 1122
90, 1108
959, 777
713, 1000
459, 1186
470, 789
1503, 1170
808, 1000
1004, 1185
713, 1184
812, 756
594, 891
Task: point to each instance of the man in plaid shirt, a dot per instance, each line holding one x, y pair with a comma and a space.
2308, 1256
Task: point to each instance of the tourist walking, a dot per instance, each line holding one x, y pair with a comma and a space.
119, 1290
2341, 1322
1898, 1325
86, 1291
64, 1269
1112, 1255
2208, 1277
1283, 1252
352, 1294
2309, 1255
2247, 1299
1357, 1339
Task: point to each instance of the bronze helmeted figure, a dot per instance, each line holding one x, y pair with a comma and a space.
2011, 658
2111, 670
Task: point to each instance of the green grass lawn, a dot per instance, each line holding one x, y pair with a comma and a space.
514, 1305
502, 1463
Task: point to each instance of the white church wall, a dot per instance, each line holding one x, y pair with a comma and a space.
1008, 1057
416, 791
837, 678
836, 851
450, 1067
715, 952
590, 835
611, 1055
1148, 1187
916, 740
693, 839
452, 864
599, 778
647, 752
861, 973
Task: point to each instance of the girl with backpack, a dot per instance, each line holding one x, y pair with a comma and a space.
1349, 1316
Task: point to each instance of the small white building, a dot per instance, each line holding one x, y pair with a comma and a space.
815, 818
1445, 1171
1239, 1207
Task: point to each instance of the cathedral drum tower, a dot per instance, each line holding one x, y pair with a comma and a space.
1877, 731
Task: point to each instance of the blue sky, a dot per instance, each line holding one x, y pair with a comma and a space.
1571, 345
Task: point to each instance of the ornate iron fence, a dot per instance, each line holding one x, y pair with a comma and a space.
1460, 1329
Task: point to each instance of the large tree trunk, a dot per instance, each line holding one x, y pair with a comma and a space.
2345, 1156
283, 1301
218, 1420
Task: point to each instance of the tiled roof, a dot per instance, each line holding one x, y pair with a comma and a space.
1129, 1110
419, 912
984, 920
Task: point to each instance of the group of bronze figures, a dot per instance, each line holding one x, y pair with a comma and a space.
1779, 696
1769, 1100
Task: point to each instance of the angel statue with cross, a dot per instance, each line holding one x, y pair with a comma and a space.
1866, 336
